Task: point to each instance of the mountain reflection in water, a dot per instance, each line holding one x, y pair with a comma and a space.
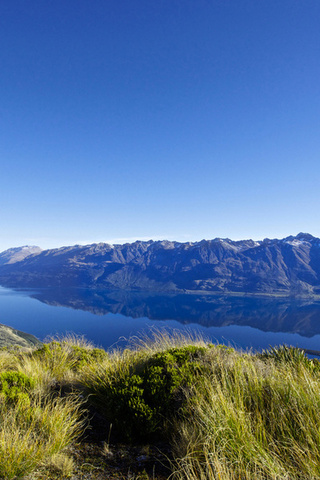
268, 314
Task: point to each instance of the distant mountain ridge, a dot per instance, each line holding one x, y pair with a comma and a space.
290, 266
13, 255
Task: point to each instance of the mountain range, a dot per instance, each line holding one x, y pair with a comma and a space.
290, 266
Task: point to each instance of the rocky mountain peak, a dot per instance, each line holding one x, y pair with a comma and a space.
306, 237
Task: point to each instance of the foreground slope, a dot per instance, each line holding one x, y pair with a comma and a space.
167, 407
290, 266
10, 337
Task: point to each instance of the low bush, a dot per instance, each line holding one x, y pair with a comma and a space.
143, 397
15, 387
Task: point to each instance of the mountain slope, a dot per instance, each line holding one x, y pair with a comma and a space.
290, 266
10, 337
13, 255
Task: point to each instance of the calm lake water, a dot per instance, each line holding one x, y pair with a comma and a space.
109, 318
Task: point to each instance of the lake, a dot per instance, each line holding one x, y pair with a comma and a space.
109, 318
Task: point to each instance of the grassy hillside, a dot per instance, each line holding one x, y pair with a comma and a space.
170, 406
10, 337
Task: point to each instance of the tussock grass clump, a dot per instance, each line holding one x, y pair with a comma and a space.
37, 422
62, 358
253, 417
59, 363
31, 435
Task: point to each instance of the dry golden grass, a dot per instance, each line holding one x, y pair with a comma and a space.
30, 436
246, 417
253, 419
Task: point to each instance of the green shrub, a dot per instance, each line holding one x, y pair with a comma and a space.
142, 398
15, 387
84, 356
168, 373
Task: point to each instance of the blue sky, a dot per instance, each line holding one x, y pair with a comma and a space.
179, 119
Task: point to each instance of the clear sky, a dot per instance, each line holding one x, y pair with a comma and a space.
138, 119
